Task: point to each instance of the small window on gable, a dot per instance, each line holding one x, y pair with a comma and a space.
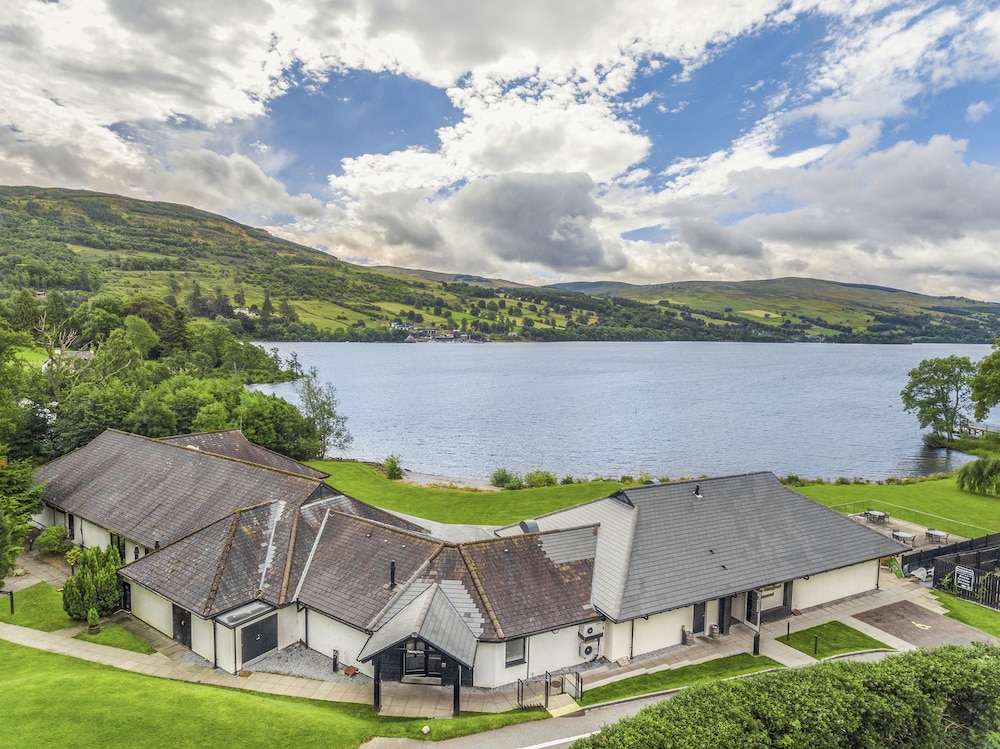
515, 651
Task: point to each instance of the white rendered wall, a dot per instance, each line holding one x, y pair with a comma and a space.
491, 666
89, 534
202, 638
834, 585
551, 651
157, 612
289, 625
617, 640
660, 630
327, 635
225, 649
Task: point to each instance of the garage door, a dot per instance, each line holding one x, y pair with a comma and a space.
260, 637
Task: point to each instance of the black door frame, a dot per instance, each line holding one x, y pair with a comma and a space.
420, 659
182, 626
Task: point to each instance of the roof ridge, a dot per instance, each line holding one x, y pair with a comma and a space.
432, 589
312, 553
402, 588
481, 590
289, 556
224, 557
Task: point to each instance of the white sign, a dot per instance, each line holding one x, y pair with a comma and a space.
965, 578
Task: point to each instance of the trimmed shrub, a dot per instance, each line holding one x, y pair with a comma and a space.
54, 540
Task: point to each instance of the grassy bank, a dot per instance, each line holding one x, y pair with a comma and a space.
940, 497
110, 706
453, 505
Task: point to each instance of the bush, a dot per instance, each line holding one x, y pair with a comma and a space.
96, 583
501, 477
567, 480
92, 618
393, 470
54, 540
535, 479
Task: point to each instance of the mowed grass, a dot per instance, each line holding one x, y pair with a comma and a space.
457, 506
113, 706
832, 638
984, 619
674, 678
940, 497
116, 636
37, 607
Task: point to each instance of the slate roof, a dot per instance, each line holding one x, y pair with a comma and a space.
537, 581
237, 559
743, 532
347, 573
150, 491
231, 443
432, 618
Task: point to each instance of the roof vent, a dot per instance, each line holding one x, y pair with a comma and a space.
697, 490
528, 526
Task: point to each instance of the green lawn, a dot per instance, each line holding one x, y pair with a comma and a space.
456, 506
834, 638
112, 707
37, 607
685, 676
116, 636
984, 619
940, 497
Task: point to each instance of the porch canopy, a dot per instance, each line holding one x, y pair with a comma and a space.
431, 618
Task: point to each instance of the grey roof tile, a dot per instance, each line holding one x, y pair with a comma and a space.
150, 491
232, 443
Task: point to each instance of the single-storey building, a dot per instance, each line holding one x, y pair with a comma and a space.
236, 553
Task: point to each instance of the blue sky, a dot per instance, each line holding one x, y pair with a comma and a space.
638, 141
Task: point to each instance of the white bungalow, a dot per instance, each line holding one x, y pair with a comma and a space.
236, 553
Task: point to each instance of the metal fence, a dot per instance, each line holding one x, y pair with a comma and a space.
968, 569
952, 527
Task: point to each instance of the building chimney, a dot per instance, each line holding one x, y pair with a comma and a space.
392, 575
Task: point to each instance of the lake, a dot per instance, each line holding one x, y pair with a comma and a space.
667, 409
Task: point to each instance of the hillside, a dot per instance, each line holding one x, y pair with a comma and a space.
83, 243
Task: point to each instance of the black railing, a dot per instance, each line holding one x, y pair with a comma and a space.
921, 558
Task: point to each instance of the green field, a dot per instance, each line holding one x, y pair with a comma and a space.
100, 706
831, 638
930, 503
457, 506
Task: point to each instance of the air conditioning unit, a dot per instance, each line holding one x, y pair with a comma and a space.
588, 650
590, 630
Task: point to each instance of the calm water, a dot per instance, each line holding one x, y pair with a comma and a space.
609, 409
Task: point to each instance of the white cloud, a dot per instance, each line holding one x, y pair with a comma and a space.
547, 166
978, 110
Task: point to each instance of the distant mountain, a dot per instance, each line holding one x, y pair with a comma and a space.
433, 275
84, 243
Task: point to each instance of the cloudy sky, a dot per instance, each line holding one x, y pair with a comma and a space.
643, 141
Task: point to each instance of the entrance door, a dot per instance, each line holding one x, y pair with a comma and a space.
182, 626
259, 638
420, 659
699, 619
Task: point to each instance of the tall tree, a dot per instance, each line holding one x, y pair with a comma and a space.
986, 383
20, 498
319, 405
940, 392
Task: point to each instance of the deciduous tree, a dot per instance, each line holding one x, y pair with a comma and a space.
320, 406
940, 392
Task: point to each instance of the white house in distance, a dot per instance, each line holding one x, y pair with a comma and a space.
236, 551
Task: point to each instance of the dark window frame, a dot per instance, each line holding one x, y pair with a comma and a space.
518, 658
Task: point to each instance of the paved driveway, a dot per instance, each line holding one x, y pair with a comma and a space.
926, 629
